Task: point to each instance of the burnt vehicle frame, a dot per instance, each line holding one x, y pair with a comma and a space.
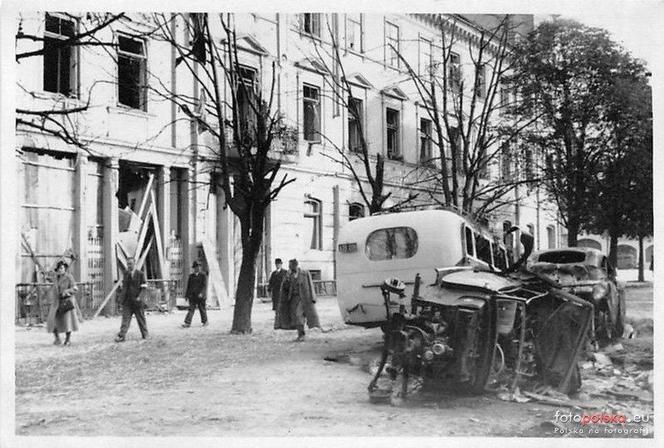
588, 274
457, 327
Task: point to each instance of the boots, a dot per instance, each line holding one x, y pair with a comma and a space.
57, 338
67, 336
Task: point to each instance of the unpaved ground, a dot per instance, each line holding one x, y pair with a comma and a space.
204, 381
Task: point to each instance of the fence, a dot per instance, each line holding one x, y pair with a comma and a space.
321, 287
96, 270
33, 301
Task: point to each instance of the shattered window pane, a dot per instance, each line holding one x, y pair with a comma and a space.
562, 257
394, 242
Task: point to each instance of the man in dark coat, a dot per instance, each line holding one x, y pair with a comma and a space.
297, 302
196, 294
134, 284
274, 284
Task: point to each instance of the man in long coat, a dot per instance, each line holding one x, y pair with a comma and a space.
134, 284
274, 284
297, 304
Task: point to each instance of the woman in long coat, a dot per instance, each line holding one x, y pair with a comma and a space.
64, 287
297, 304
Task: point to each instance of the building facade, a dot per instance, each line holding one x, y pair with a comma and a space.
142, 151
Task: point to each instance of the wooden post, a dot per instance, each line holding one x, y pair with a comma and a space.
111, 228
335, 234
187, 224
164, 215
80, 224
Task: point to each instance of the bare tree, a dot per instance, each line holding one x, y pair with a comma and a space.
243, 123
472, 129
57, 43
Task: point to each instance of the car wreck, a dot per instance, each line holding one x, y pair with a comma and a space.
474, 324
586, 273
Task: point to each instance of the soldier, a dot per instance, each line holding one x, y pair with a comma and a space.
134, 284
196, 290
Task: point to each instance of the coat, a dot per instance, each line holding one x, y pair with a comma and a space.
274, 286
296, 309
196, 287
132, 286
68, 322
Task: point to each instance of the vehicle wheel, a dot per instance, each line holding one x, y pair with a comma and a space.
485, 348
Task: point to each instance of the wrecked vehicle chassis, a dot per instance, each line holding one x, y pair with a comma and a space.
472, 327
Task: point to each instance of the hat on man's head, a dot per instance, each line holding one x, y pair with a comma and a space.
278, 261
195, 264
294, 261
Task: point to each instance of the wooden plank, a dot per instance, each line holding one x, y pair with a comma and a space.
142, 234
107, 298
141, 260
157, 235
146, 195
215, 279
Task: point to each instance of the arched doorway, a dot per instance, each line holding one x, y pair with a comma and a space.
627, 257
587, 242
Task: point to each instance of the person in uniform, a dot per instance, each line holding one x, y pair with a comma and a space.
134, 284
196, 295
297, 301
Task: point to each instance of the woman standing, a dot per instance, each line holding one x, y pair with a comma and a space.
62, 315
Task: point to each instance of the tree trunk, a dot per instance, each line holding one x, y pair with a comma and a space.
613, 250
252, 236
641, 277
572, 232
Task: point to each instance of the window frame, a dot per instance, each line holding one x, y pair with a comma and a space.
359, 206
251, 86
454, 72
480, 90
426, 139
318, 123
352, 122
74, 55
360, 25
391, 242
396, 128
143, 60
313, 32
389, 39
316, 242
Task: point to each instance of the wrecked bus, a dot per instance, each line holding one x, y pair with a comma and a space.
402, 245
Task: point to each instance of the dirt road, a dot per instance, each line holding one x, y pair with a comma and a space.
204, 381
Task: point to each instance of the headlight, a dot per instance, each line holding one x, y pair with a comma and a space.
428, 355
599, 291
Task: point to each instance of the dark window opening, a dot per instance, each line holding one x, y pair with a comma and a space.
132, 73
311, 111
426, 153
311, 23
355, 112
392, 125
355, 211
60, 61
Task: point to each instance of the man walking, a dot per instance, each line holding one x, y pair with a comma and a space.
196, 294
274, 284
134, 284
297, 303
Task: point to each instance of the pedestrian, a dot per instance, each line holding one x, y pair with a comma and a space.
274, 285
297, 301
134, 285
62, 316
196, 295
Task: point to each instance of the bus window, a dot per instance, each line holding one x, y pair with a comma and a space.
469, 243
483, 248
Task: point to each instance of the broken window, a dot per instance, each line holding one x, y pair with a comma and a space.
483, 248
392, 128
311, 111
391, 45
60, 59
132, 73
355, 112
354, 31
